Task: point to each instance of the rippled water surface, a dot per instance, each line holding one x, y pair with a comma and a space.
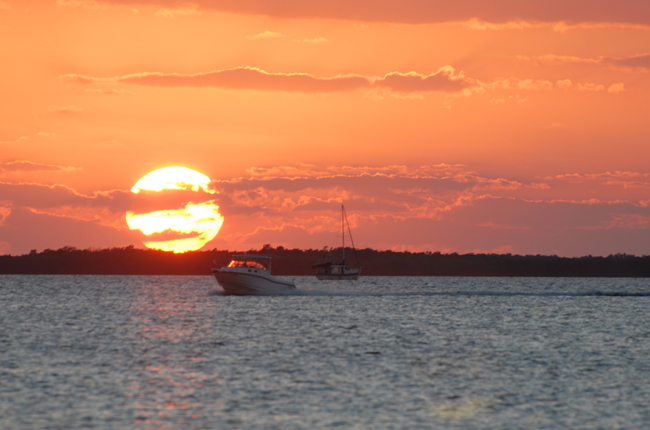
146, 352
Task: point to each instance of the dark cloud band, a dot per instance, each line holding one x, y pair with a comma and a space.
418, 11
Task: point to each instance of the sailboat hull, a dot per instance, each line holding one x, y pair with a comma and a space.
338, 272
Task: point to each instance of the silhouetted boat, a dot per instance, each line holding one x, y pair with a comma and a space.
328, 270
250, 275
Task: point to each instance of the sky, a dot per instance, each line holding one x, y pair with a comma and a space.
468, 126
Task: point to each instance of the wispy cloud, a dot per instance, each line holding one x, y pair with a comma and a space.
557, 26
59, 110
639, 62
590, 87
266, 35
316, 40
17, 140
23, 139
108, 4
520, 84
110, 91
29, 166
4, 213
616, 88
177, 11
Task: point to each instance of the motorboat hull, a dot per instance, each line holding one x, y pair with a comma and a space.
244, 283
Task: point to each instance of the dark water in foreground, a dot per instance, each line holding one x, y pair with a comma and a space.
139, 352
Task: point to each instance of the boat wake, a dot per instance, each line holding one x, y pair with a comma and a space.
328, 293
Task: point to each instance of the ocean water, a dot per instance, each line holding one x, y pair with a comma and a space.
148, 352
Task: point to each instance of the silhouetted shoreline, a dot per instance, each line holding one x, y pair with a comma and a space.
132, 261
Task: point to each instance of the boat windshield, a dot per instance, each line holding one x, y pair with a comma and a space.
247, 263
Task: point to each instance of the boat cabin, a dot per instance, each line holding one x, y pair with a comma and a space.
251, 262
334, 269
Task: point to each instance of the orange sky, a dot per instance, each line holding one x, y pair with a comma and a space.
465, 126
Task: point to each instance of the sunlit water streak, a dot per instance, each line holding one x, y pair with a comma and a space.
129, 352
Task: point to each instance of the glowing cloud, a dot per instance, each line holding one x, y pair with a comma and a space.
202, 220
252, 78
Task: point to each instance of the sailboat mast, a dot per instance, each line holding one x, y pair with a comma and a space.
343, 232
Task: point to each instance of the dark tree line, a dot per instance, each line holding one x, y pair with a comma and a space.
132, 261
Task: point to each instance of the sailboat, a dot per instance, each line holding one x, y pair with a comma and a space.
328, 270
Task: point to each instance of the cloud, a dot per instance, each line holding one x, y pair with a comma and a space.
18, 140
312, 171
4, 213
316, 40
411, 84
476, 24
601, 176
24, 230
106, 4
28, 166
67, 202
519, 84
557, 26
178, 11
446, 79
639, 62
565, 13
266, 35
104, 91
241, 78
630, 222
64, 110
566, 84
21, 139
553, 59
590, 87
616, 88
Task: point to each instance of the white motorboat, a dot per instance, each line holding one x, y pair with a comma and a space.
328, 270
250, 275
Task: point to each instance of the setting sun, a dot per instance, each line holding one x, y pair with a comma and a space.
172, 178
190, 226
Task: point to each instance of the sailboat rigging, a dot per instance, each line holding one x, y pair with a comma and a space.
328, 270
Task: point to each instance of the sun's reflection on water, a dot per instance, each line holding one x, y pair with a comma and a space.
175, 370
